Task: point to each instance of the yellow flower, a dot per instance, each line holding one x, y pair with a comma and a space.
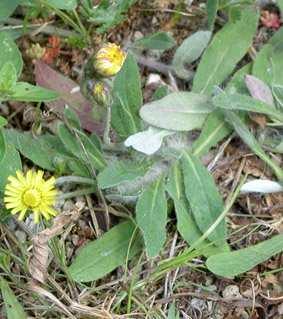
109, 60
30, 193
101, 93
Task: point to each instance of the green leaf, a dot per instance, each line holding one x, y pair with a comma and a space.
269, 61
63, 4
205, 201
98, 258
26, 92
3, 121
108, 13
119, 172
186, 223
43, 150
240, 102
213, 131
2, 145
14, 309
234, 263
8, 77
211, 8
277, 91
151, 216
248, 138
189, 51
172, 312
72, 118
222, 55
7, 7
182, 111
237, 83
280, 5
10, 53
157, 41
127, 99
9, 164
81, 146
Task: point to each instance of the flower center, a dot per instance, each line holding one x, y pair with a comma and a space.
32, 198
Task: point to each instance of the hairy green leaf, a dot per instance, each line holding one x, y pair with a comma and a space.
189, 51
127, 99
234, 263
98, 258
151, 215
223, 53
205, 201
10, 53
14, 309
182, 111
157, 41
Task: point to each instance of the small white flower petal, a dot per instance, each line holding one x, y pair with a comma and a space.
263, 186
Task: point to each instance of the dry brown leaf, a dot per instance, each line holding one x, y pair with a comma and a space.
38, 263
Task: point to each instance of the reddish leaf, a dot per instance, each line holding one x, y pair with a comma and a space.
89, 114
259, 90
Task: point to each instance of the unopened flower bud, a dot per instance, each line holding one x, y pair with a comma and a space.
101, 93
109, 60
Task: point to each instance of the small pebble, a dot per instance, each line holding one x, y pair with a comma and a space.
231, 291
138, 35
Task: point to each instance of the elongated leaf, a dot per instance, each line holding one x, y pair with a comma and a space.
173, 313
100, 257
211, 8
2, 145
29, 93
277, 91
237, 83
189, 51
80, 145
240, 102
10, 53
233, 263
3, 121
7, 7
8, 77
221, 56
43, 150
127, 99
269, 60
9, 164
186, 223
204, 199
14, 309
157, 41
213, 131
151, 215
243, 131
119, 172
182, 111
63, 4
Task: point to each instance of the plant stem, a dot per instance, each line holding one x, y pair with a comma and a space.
80, 192
74, 179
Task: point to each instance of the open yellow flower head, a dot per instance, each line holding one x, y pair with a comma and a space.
30, 193
109, 60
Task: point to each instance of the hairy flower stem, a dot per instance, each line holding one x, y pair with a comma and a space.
74, 179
